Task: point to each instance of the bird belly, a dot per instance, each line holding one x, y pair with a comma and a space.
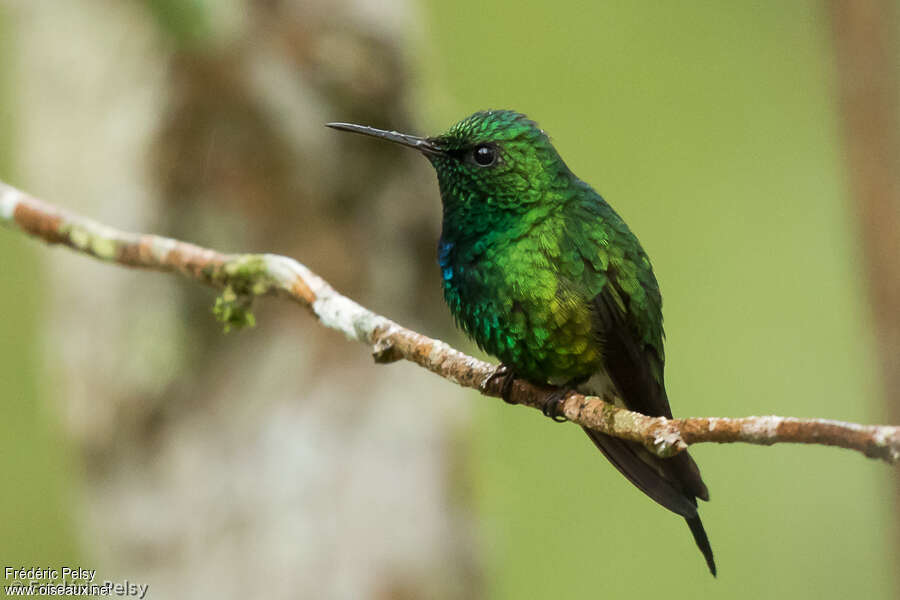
529, 320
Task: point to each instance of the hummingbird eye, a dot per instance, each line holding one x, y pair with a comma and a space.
484, 155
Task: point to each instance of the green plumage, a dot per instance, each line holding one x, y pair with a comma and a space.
525, 249
542, 273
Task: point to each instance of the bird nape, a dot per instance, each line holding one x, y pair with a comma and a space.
543, 274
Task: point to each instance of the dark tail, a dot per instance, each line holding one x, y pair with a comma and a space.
702, 541
674, 483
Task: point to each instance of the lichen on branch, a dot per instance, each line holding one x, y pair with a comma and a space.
243, 277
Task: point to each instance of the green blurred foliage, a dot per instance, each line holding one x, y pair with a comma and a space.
185, 21
713, 129
36, 524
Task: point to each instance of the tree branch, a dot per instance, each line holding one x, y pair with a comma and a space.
245, 276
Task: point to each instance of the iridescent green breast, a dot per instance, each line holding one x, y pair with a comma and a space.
513, 297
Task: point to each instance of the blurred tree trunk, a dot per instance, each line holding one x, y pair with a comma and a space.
280, 457
868, 64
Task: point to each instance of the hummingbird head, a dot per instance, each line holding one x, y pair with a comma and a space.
492, 166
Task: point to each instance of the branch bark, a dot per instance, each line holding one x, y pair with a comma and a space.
245, 276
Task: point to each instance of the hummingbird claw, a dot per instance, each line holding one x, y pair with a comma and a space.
552, 406
506, 374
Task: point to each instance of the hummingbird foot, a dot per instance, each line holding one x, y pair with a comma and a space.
552, 406
506, 374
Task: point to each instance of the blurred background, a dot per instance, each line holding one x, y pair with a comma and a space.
751, 146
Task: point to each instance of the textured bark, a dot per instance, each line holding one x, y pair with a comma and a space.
275, 458
245, 276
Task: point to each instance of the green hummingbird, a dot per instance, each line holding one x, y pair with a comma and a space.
543, 274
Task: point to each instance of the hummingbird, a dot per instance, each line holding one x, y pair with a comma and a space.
541, 272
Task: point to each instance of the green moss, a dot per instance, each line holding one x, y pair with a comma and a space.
233, 310
248, 274
243, 278
83, 239
103, 248
79, 236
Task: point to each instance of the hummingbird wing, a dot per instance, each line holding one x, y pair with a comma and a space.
628, 317
632, 366
675, 482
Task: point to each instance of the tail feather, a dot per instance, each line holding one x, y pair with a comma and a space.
672, 482
702, 542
